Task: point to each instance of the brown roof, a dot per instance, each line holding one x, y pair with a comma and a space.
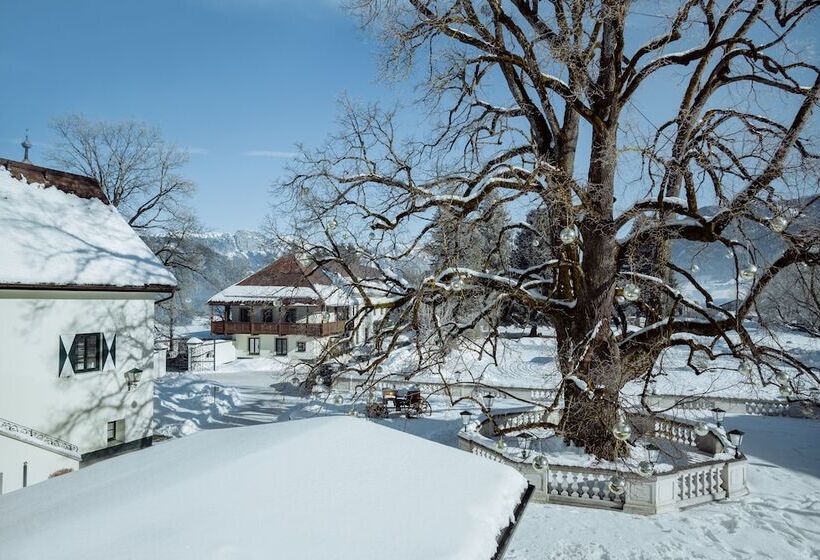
79, 185
285, 271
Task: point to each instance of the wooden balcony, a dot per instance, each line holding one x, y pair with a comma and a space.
281, 329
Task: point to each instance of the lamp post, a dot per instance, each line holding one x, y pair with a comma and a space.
720, 414
653, 452
524, 441
735, 438
465, 418
488, 401
132, 378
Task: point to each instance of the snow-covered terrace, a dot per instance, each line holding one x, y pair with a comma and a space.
332, 487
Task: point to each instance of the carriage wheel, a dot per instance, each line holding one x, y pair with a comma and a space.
376, 410
425, 409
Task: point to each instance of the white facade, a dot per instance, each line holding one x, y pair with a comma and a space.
74, 407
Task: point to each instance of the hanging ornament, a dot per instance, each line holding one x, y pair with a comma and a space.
371, 236
458, 283
700, 361
778, 224
332, 224
785, 391
569, 235
616, 484
701, 429
540, 463
781, 377
536, 242
730, 255
645, 468
501, 445
749, 272
621, 430
745, 367
632, 292
620, 300
694, 268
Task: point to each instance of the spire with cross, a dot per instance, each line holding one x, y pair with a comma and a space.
26, 147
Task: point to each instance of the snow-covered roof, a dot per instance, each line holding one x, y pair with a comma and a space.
62, 232
290, 280
332, 487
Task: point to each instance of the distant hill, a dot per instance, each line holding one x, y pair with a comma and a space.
226, 258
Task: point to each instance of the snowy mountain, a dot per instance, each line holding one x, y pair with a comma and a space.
225, 259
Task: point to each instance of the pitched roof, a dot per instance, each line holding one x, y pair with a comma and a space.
291, 281
59, 231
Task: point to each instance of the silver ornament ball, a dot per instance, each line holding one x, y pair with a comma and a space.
569, 235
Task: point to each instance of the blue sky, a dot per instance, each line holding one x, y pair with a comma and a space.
236, 82
239, 82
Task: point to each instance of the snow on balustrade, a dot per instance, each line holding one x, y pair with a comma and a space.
694, 484
767, 408
675, 431
581, 486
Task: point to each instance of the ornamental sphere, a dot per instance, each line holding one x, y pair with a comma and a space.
785, 391
621, 430
778, 224
701, 429
694, 268
616, 484
781, 377
332, 224
645, 468
536, 242
632, 292
620, 300
569, 235
749, 272
540, 463
745, 368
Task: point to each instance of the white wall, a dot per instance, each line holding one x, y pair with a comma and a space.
41, 463
207, 354
75, 409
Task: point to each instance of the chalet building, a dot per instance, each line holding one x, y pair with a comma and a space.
77, 294
290, 308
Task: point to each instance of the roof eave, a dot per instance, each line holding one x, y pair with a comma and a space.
507, 534
148, 288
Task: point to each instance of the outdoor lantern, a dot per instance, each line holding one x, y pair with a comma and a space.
616, 484
338, 399
632, 292
332, 224
781, 377
465, 418
621, 430
653, 452
488, 401
749, 272
735, 438
539, 462
720, 414
694, 268
501, 445
778, 224
814, 394
132, 377
524, 440
569, 235
645, 468
745, 367
701, 429
536, 242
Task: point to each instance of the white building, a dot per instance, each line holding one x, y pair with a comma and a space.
77, 295
292, 308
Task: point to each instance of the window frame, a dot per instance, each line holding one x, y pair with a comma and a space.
111, 432
254, 341
301, 346
83, 338
276, 343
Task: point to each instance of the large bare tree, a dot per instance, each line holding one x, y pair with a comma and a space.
544, 105
140, 173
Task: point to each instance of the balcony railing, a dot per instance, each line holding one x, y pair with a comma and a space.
282, 329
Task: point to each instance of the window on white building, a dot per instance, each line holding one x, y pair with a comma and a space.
281, 346
113, 431
253, 345
301, 346
86, 352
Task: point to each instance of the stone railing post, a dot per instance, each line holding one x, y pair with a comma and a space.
648, 496
734, 478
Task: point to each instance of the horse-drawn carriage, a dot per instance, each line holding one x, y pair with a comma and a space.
409, 402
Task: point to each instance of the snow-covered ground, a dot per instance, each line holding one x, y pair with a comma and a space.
779, 519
